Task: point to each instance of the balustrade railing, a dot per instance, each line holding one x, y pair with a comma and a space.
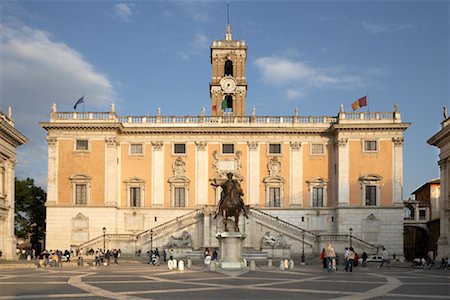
298, 231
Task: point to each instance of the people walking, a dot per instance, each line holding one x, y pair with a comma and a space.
350, 260
364, 259
385, 260
331, 258
323, 257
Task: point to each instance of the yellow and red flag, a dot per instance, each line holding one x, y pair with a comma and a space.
359, 103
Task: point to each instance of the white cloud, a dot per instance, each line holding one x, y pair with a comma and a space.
378, 28
200, 41
35, 72
298, 77
123, 11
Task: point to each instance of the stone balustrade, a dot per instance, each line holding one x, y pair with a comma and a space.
152, 121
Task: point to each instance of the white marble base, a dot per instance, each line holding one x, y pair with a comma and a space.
230, 250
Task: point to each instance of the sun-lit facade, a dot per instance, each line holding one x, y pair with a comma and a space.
10, 139
130, 174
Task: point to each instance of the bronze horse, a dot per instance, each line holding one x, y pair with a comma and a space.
231, 203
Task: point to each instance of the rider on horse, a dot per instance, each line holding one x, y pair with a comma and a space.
232, 193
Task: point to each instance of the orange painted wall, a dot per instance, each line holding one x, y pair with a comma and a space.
189, 159
90, 163
211, 149
135, 166
315, 166
363, 163
264, 172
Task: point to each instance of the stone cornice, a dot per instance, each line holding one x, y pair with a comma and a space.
13, 134
370, 127
440, 137
81, 126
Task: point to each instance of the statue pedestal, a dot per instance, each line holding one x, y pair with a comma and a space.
230, 250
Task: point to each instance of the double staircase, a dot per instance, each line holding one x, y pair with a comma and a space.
154, 236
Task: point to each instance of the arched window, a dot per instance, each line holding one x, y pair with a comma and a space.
228, 68
227, 105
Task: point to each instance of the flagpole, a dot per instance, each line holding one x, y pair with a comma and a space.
368, 103
83, 103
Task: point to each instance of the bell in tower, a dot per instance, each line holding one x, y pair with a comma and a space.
228, 86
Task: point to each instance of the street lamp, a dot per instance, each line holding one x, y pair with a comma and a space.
303, 247
104, 238
151, 239
351, 231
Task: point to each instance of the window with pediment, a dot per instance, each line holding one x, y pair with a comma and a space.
370, 189
317, 192
81, 189
135, 192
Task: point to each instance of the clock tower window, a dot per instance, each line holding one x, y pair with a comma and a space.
228, 68
228, 104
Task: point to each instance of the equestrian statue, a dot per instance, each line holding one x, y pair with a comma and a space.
231, 202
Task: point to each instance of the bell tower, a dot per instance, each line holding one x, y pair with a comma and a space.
228, 86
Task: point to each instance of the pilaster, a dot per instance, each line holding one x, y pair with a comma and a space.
52, 169
158, 175
296, 173
397, 172
343, 172
10, 239
201, 173
112, 171
253, 189
443, 242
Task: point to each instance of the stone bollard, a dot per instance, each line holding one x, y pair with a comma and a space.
281, 265
189, 263
212, 265
252, 265
269, 263
181, 265
291, 265
286, 264
170, 264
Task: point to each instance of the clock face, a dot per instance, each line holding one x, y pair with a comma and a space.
228, 84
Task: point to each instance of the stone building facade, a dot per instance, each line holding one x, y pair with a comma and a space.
442, 140
10, 139
303, 176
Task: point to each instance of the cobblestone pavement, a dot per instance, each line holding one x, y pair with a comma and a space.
142, 281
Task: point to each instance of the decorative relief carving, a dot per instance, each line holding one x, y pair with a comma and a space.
342, 142
398, 141
157, 145
52, 141
201, 146
112, 142
179, 167
223, 166
252, 145
274, 166
296, 145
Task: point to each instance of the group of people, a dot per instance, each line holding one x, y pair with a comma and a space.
104, 257
154, 256
209, 256
330, 259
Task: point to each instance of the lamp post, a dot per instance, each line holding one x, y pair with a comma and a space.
351, 231
104, 239
151, 239
303, 247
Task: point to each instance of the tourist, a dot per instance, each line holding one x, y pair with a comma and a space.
323, 257
385, 259
350, 260
331, 258
364, 259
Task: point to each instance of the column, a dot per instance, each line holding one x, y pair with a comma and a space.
10, 239
201, 174
296, 174
52, 169
253, 174
443, 241
158, 174
111, 171
343, 172
397, 172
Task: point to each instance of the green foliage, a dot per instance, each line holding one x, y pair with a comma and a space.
29, 210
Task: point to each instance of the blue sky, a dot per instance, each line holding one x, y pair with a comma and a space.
143, 55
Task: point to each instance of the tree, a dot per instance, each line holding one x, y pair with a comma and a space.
29, 219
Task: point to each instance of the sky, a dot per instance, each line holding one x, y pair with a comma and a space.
310, 55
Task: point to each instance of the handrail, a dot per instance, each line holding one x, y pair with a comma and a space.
361, 243
157, 229
262, 215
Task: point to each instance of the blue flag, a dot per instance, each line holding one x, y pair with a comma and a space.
81, 100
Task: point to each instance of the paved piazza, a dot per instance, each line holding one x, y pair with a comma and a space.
142, 281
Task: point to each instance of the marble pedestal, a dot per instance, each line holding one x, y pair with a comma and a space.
230, 250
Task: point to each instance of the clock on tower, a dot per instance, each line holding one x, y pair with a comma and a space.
228, 86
